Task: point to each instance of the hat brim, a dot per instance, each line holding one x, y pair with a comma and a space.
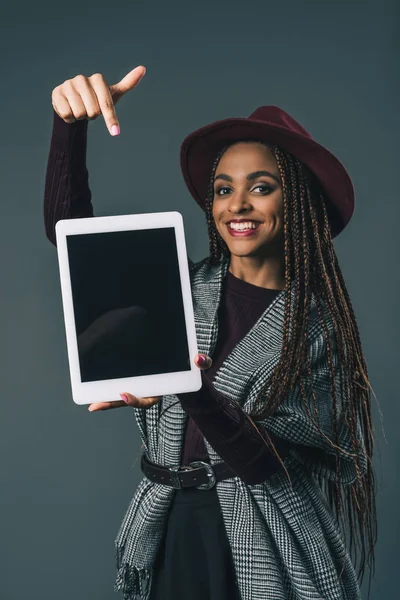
199, 149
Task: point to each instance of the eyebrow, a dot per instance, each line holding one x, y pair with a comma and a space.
250, 176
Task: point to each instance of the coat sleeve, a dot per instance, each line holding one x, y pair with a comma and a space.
232, 436
67, 193
296, 420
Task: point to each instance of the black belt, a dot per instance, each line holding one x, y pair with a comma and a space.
197, 474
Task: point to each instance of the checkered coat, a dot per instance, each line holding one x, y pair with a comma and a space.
285, 540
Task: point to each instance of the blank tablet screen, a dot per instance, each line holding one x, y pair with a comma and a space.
128, 304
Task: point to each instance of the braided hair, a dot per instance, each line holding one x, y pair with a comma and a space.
311, 263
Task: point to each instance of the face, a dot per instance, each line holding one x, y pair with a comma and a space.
248, 200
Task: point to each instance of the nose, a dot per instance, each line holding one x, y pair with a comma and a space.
239, 202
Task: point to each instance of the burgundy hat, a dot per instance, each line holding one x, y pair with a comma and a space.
274, 125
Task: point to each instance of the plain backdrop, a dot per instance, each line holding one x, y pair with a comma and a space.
67, 476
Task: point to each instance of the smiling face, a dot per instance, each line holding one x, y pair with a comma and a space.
248, 200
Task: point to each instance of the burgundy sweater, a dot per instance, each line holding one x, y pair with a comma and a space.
211, 415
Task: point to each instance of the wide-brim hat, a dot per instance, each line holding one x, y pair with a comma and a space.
274, 125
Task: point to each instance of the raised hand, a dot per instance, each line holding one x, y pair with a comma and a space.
89, 97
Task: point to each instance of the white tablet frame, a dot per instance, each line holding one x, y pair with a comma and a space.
143, 386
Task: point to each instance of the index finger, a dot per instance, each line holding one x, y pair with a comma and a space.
106, 103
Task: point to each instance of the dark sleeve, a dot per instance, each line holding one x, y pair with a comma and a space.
232, 435
67, 194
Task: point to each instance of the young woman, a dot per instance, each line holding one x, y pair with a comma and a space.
251, 484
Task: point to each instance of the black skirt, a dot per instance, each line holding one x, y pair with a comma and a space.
195, 558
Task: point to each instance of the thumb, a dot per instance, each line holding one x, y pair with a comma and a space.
203, 361
127, 83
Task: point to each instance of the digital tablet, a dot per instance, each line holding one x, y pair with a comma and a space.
127, 305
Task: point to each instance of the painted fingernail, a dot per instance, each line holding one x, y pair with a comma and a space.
124, 398
115, 130
201, 359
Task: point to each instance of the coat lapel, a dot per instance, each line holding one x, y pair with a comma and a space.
206, 294
254, 358
260, 347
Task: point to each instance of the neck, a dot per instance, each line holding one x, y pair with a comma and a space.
263, 272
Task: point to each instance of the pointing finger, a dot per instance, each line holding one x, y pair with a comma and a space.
106, 103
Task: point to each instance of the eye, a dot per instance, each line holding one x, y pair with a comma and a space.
220, 189
267, 189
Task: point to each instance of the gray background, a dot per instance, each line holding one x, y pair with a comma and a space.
67, 475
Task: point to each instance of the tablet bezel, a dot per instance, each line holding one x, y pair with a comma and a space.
142, 386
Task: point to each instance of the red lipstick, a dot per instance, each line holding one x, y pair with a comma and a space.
244, 233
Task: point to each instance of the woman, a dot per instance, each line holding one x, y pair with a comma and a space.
279, 437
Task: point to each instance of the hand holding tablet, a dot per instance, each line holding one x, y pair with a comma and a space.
131, 400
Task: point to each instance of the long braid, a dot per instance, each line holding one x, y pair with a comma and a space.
311, 261
217, 245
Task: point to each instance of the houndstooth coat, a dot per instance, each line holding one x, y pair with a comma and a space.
285, 541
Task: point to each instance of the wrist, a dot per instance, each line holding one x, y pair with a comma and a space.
63, 132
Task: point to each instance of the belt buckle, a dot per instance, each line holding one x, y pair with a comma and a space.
210, 472
176, 482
